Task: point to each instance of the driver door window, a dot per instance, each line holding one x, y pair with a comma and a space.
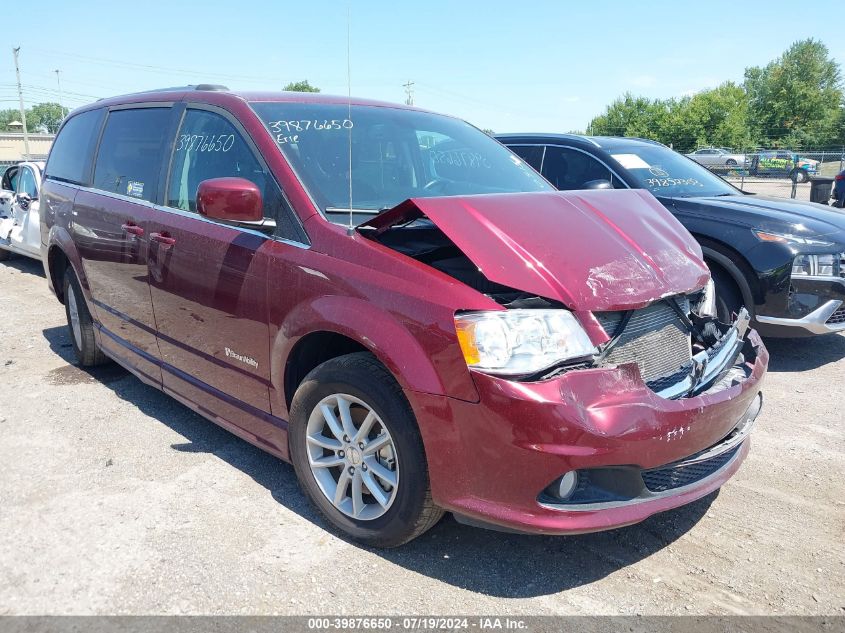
209, 146
27, 184
569, 169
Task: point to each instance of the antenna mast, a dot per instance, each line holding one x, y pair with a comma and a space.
351, 229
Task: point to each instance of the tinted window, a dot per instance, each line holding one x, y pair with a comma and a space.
131, 151
396, 154
27, 183
531, 154
10, 178
570, 169
209, 146
70, 156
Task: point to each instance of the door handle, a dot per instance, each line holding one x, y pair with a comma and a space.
163, 238
132, 229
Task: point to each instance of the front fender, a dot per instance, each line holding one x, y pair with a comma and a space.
379, 331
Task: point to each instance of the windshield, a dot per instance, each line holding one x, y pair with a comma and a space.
396, 154
666, 173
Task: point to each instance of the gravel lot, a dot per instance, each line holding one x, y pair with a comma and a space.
114, 498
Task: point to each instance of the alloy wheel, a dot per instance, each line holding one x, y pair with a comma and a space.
352, 457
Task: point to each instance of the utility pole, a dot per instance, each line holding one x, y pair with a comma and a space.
20, 100
409, 93
59, 83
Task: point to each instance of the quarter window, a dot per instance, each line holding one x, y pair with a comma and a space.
70, 156
131, 152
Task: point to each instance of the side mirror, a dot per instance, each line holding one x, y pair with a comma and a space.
230, 199
597, 184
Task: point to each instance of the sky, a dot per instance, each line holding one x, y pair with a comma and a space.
531, 66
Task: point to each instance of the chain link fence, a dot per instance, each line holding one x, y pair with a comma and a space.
783, 173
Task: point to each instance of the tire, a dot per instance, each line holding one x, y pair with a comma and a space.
81, 332
728, 297
799, 175
4, 254
730, 163
366, 384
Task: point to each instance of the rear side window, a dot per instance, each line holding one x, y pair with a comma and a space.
531, 154
131, 151
70, 157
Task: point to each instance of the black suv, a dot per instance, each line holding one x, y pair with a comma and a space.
783, 259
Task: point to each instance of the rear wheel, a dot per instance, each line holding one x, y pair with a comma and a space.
358, 454
728, 297
4, 254
80, 324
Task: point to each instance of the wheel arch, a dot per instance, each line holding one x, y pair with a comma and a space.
348, 324
61, 253
734, 264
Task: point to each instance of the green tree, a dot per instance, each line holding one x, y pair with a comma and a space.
45, 117
300, 86
718, 117
796, 99
7, 116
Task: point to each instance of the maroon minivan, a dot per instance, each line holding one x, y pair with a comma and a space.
401, 307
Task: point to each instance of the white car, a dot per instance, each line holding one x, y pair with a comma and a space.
717, 158
20, 231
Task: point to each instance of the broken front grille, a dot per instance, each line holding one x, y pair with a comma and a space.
654, 338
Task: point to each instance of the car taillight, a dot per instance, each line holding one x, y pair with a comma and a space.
839, 177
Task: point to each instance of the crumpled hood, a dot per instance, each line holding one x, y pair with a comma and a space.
592, 250
779, 215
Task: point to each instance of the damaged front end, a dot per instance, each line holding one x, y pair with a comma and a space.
584, 280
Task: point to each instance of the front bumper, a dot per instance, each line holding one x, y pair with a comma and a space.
490, 461
820, 307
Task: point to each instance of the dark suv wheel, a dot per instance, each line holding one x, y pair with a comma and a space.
358, 454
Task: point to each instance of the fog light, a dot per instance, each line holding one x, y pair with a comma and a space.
566, 485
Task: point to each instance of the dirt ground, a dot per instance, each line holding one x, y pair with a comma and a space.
114, 498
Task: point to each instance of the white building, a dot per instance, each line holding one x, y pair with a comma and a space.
12, 146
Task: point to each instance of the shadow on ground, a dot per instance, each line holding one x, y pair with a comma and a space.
492, 563
25, 265
802, 354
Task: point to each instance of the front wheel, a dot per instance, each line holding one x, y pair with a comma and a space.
357, 452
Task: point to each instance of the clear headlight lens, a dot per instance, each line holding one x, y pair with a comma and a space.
816, 266
707, 305
513, 342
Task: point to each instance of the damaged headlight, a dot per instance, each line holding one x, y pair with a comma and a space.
816, 266
514, 342
707, 305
